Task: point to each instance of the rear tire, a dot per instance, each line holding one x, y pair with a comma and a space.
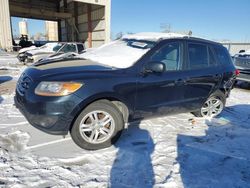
213, 105
98, 126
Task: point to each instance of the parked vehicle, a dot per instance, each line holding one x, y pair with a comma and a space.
140, 76
39, 43
242, 63
62, 56
59, 49
48, 47
23, 50
243, 53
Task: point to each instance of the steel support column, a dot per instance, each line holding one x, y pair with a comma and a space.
5, 26
89, 10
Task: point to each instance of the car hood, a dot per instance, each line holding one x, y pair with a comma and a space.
61, 55
40, 51
68, 69
27, 49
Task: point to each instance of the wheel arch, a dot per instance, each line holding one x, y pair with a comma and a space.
121, 104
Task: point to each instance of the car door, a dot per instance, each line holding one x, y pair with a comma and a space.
162, 93
203, 73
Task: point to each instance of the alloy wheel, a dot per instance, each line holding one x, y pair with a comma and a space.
97, 127
212, 107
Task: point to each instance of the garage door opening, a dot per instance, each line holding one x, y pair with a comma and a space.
85, 21
27, 32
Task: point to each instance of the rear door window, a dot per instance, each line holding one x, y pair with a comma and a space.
198, 56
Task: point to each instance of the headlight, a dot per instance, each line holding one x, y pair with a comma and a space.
57, 88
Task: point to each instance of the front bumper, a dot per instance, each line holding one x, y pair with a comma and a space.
53, 115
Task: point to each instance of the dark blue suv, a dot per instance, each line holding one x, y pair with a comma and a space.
96, 94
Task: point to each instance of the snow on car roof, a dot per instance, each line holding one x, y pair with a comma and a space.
153, 36
247, 52
121, 54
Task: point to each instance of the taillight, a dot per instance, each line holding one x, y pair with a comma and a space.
237, 72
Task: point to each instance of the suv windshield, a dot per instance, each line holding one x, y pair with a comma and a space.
120, 53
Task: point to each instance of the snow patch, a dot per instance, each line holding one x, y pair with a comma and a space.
151, 36
14, 142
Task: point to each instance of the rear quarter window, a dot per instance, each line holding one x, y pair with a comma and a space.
80, 47
212, 58
222, 55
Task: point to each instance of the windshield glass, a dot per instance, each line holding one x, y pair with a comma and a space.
68, 48
57, 47
120, 53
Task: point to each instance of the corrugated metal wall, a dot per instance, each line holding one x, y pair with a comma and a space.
5, 27
234, 48
77, 28
98, 26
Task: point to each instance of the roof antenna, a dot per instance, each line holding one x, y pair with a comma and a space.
190, 33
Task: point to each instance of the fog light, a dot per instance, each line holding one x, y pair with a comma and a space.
44, 121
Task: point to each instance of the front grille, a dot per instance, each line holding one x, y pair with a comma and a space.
23, 83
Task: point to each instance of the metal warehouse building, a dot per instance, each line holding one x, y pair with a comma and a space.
78, 20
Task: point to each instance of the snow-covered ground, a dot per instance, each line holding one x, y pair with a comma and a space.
172, 151
10, 64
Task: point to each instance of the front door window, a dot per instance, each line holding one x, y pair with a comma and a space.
169, 54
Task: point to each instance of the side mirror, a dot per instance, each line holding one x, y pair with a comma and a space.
155, 66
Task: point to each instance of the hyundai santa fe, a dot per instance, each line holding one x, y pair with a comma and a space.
94, 95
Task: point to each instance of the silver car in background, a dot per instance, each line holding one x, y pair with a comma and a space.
61, 48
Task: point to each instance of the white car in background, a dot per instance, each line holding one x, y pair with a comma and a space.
243, 53
33, 47
62, 49
48, 47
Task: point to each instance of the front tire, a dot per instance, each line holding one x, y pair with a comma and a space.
213, 105
98, 126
